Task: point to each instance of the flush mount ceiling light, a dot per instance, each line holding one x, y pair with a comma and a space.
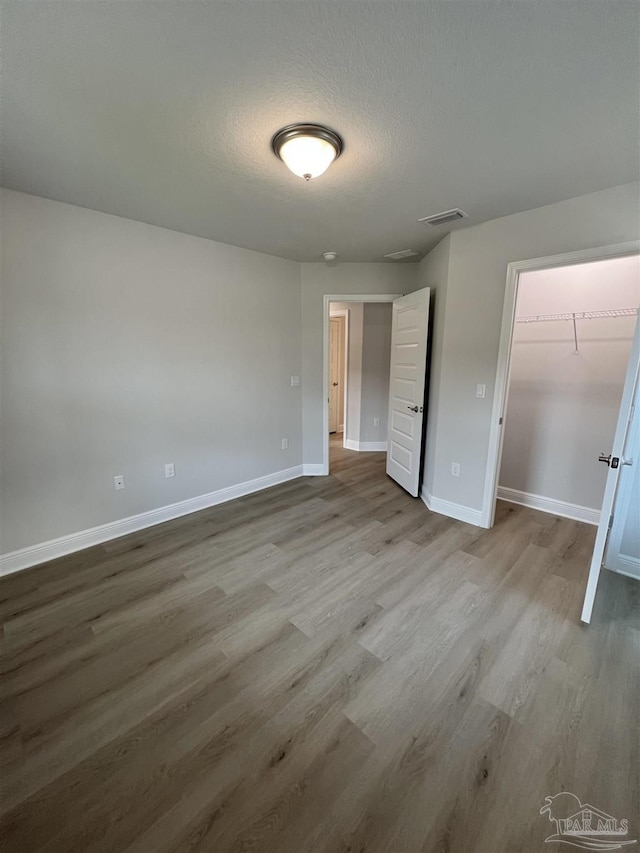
307, 149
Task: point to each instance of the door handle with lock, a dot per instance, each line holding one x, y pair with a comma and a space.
414, 408
613, 461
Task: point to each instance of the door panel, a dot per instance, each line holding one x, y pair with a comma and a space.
403, 424
623, 546
609, 502
406, 388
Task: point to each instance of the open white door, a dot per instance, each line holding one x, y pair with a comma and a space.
409, 333
615, 460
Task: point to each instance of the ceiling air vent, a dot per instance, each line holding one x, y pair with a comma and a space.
405, 253
444, 218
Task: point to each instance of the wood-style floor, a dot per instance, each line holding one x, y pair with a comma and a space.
324, 666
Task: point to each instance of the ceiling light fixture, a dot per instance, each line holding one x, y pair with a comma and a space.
307, 149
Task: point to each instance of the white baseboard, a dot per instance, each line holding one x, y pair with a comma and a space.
452, 510
365, 446
45, 551
313, 470
623, 564
566, 510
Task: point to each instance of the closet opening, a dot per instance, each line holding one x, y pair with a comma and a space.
572, 333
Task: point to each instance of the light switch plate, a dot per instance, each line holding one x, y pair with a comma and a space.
481, 390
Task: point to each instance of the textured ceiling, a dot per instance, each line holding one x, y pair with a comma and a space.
162, 111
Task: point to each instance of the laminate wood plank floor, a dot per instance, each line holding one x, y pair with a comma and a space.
323, 666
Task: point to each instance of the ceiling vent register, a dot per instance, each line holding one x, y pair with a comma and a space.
444, 218
404, 253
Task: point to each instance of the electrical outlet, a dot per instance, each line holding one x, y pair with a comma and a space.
169, 470
481, 390
376, 421
285, 443
455, 469
118, 482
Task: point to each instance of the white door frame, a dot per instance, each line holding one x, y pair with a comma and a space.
327, 299
344, 313
514, 271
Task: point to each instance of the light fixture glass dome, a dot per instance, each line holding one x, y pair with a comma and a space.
307, 149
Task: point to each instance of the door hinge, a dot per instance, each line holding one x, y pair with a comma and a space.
610, 522
500, 422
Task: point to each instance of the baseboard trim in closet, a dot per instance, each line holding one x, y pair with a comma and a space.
623, 564
550, 505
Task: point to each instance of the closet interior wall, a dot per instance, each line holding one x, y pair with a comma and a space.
566, 382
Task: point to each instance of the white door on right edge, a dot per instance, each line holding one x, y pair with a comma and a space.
622, 455
409, 333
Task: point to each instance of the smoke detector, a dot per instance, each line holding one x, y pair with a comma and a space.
444, 218
330, 257
404, 253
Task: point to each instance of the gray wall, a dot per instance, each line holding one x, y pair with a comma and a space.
126, 346
376, 355
470, 338
318, 280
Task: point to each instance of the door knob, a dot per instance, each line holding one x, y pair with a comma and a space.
612, 461
414, 408
334, 384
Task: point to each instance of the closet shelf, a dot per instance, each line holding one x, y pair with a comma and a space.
578, 315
